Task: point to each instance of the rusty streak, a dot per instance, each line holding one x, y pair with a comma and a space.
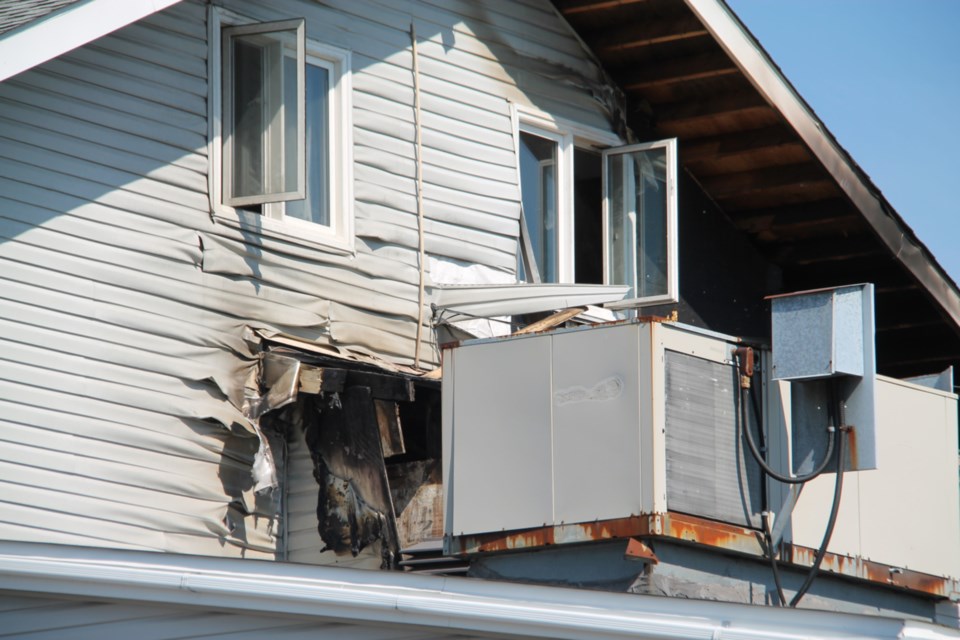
699, 531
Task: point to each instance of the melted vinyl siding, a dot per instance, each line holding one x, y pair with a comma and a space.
121, 363
125, 312
472, 61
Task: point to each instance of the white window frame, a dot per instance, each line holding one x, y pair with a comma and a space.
338, 236
564, 196
274, 130
569, 136
672, 294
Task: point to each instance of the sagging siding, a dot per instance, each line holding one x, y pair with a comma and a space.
125, 311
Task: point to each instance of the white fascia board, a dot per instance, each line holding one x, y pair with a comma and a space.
459, 604
71, 27
766, 78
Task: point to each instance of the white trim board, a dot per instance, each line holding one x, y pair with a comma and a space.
54, 35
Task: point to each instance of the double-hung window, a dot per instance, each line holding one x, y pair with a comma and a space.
596, 212
282, 140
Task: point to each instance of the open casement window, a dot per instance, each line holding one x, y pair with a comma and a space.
640, 219
540, 184
263, 113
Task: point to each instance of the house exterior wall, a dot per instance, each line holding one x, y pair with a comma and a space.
127, 311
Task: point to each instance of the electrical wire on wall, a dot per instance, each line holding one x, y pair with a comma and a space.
420, 222
835, 444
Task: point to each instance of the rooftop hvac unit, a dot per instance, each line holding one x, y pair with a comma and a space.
594, 424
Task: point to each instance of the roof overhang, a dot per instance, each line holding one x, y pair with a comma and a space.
757, 66
73, 26
691, 70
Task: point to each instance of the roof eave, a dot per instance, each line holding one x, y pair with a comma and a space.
892, 230
73, 26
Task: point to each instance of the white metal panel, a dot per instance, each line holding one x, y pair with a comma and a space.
596, 424
502, 466
917, 440
910, 505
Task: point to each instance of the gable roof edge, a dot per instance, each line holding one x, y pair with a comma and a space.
768, 80
73, 26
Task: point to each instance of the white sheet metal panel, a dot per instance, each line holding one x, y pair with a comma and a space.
501, 465
597, 471
906, 513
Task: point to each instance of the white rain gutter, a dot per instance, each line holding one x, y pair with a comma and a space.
73, 26
442, 604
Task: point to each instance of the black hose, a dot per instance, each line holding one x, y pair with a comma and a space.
836, 413
768, 535
758, 456
834, 510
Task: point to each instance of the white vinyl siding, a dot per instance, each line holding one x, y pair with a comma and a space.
127, 310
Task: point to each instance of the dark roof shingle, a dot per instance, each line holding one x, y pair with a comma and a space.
16, 13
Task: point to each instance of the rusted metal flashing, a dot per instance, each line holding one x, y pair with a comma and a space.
856, 567
684, 528
669, 525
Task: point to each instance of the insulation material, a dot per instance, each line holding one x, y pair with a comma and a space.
447, 272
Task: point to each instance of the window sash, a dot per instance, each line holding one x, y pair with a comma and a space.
262, 132
640, 220
540, 190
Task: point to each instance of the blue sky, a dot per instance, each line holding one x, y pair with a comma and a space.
884, 76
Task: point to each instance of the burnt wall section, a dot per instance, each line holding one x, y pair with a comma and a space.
125, 325
360, 479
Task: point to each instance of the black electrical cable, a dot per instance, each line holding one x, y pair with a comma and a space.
834, 510
758, 456
768, 536
765, 501
836, 414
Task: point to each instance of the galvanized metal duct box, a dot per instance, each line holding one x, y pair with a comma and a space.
822, 339
823, 333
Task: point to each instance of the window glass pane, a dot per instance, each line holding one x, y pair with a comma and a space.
538, 181
588, 216
637, 201
248, 116
264, 110
315, 207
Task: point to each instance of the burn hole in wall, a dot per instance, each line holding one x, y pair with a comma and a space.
361, 467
